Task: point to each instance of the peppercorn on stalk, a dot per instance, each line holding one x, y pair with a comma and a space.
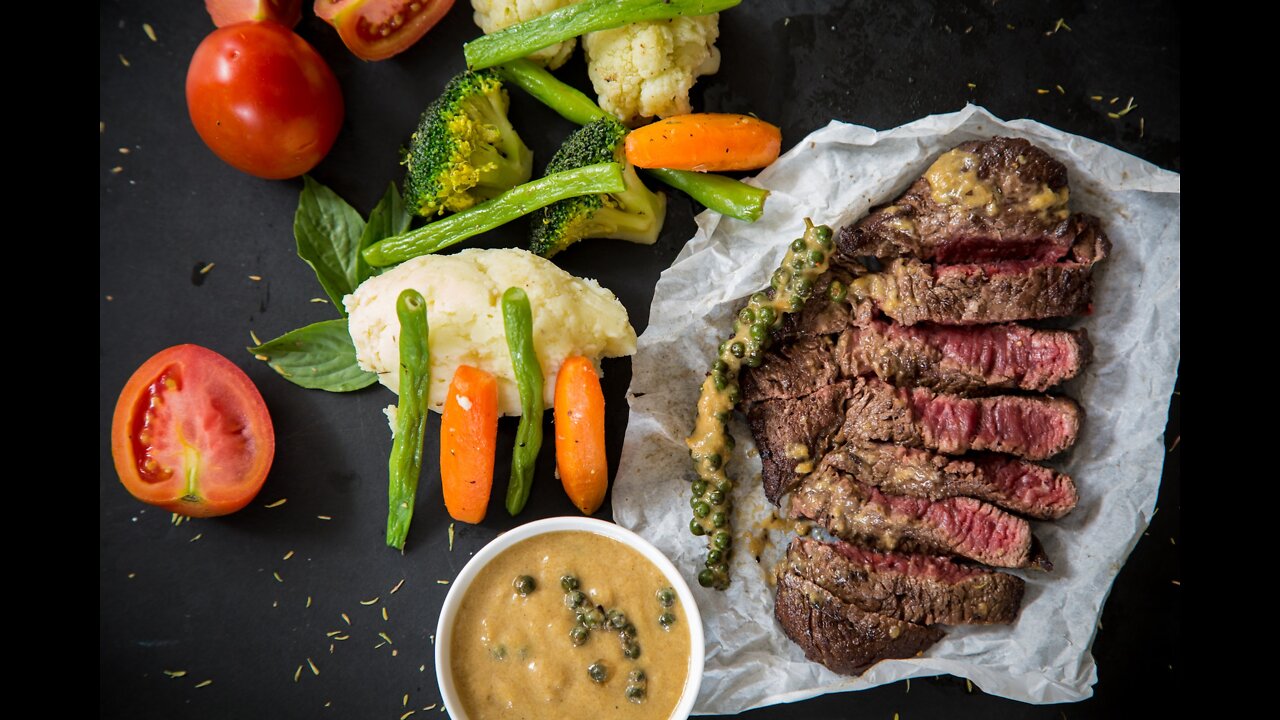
711, 441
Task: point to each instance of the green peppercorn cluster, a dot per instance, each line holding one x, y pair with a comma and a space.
594, 617
637, 686
791, 285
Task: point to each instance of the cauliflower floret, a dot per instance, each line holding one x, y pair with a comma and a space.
647, 68
494, 15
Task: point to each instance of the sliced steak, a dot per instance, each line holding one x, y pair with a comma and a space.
839, 635
953, 526
998, 199
1023, 487
792, 370
820, 315
923, 589
792, 434
959, 359
911, 291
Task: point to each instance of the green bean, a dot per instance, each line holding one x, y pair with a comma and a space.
566, 23
411, 415
514, 203
517, 319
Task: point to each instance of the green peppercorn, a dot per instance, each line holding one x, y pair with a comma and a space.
666, 597
716, 497
753, 360
578, 635
836, 291
714, 461
720, 366
524, 584
631, 651
721, 348
745, 316
758, 331
797, 264
699, 487
666, 620
635, 693
725, 486
816, 257
780, 278
628, 631
797, 245
720, 381
759, 298
823, 235
574, 598
696, 528
637, 677
617, 619
568, 582
701, 508
722, 540
802, 286
737, 349
767, 315
719, 519
706, 578
734, 395
713, 558
796, 303
593, 618
598, 672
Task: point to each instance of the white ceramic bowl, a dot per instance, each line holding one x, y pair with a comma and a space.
452, 602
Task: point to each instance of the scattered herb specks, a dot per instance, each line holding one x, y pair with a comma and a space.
205, 683
150, 31
287, 555
281, 501
175, 673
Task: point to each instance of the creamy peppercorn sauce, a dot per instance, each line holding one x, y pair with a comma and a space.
513, 656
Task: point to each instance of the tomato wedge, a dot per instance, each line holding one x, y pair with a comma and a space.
230, 12
191, 433
378, 29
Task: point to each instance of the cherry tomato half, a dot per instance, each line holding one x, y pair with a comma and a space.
230, 12
191, 433
378, 29
263, 99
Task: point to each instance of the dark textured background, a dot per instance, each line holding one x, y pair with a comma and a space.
211, 606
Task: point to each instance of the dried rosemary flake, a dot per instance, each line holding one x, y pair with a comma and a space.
450, 537
324, 517
397, 587
1060, 25
1113, 116
1171, 542
330, 648
908, 684
110, 298
254, 336
124, 151
117, 170
1042, 91
314, 670
175, 673
341, 637
276, 575
123, 60
968, 684
395, 653
197, 537
308, 601
375, 647
1175, 582
287, 555
134, 575
263, 358
405, 701
319, 300
256, 278
1010, 26
102, 127
205, 270
1113, 100
1060, 90
278, 503
432, 706
406, 715
1096, 98
368, 602
385, 637
297, 674
1127, 108
331, 633
972, 86
384, 613
346, 619
205, 683
150, 31
1142, 126
442, 582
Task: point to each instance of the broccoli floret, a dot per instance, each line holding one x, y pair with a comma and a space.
464, 150
635, 214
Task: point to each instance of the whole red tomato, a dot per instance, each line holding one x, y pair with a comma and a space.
191, 434
263, 99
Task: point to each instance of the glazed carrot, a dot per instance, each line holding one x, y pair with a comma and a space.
579, 412
468, 440
706, 142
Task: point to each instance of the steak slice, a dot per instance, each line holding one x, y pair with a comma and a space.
923, 589
792, 370
1023, 487
953, 526
793, 433
911, 291
998, 199
820, 315
841, 636
960, 359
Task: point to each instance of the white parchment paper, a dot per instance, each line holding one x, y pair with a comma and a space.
834, 176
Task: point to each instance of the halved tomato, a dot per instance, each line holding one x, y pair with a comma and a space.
230, 12
378, 29
191, 433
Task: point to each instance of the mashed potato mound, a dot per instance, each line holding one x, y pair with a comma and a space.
571, 316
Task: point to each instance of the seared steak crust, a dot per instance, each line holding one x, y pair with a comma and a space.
839, 635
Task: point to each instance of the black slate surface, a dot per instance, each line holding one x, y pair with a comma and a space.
201, 596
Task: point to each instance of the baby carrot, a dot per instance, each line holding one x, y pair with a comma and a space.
706, 142
468, 440
579, 413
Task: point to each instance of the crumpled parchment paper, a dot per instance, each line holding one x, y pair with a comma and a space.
834, 176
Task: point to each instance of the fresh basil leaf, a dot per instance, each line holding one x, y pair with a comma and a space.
319, 356
388, 219
328, 232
